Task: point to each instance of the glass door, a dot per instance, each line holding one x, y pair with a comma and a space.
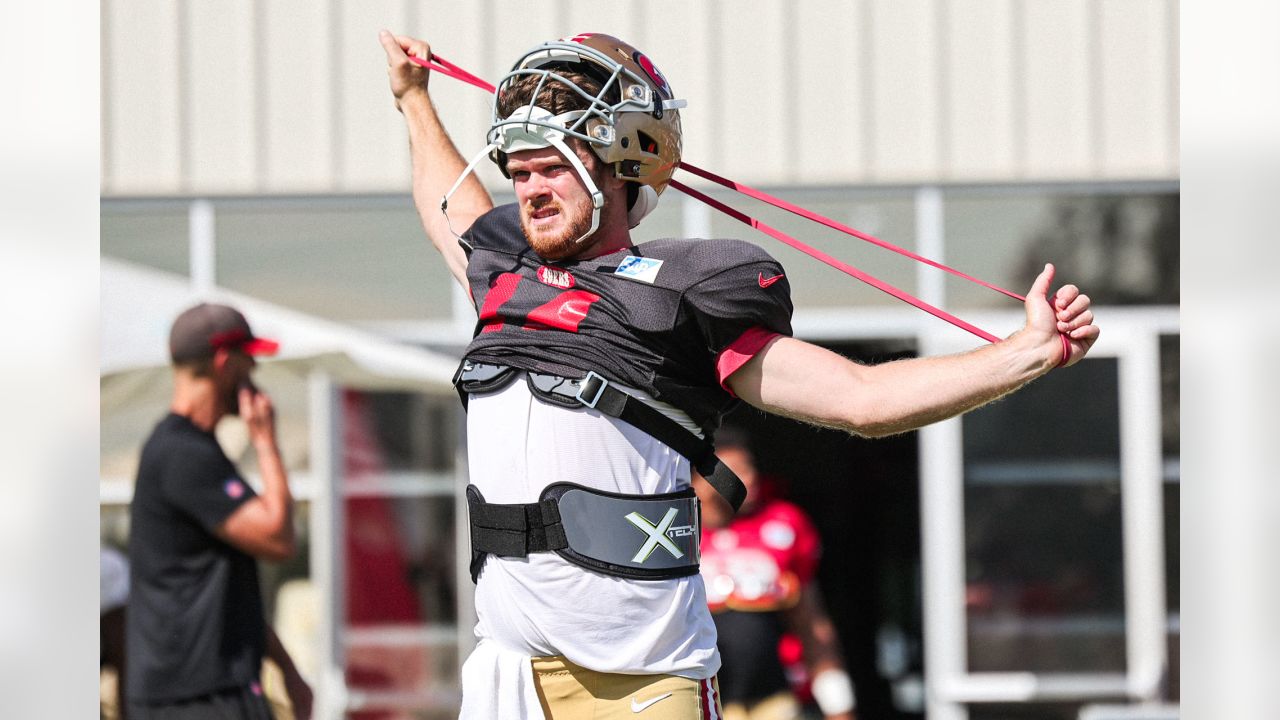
1044, 545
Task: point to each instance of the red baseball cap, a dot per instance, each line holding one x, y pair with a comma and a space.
201, 330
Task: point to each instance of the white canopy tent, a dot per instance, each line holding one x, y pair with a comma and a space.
139, 304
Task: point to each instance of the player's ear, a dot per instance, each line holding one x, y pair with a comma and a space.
221, 357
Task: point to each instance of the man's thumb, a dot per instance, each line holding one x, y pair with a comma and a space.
1040, 288
389, 43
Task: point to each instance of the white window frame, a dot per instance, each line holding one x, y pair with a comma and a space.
1132, 336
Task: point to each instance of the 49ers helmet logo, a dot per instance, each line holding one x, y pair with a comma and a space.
652, 71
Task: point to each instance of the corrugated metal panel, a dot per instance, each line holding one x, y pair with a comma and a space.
141, 105
979, 91
828, 113
1134, 89
904, 90
296, 133
290, 96
220, 116
681, 39
755, 103
1057, 52
592, 16
371, 145
1173, 82
517, 26
457, 31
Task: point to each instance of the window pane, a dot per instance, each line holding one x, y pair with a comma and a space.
414, 432
1044, 559
1122, 247
400, 594
400, 525
153, 236
888, 215
352, 261
400, 561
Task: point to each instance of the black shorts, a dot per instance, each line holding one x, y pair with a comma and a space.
247, 703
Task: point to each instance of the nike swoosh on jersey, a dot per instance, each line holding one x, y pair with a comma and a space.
766, 282
642, 706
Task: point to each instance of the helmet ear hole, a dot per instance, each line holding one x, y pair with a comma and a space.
499, 158
645, 202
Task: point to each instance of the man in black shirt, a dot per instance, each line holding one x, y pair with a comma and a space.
196, 635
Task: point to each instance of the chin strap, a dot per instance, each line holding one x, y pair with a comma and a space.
597, 197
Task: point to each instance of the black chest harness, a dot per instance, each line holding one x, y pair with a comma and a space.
642, 537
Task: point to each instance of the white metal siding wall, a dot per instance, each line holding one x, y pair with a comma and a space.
289, 96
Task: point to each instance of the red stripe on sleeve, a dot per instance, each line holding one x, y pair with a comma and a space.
740, 351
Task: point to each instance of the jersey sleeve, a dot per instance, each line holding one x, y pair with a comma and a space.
740, 308
203, 484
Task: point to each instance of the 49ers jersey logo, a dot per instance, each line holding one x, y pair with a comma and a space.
556, 277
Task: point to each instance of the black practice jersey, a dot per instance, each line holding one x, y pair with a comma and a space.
195, 619
669, 317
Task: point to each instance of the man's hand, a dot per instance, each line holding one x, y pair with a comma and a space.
1067, 312
259, 415
406, 76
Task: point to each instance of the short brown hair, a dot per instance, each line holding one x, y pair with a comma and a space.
555, 96
198, 368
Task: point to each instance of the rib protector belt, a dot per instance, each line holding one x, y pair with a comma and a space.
641, 537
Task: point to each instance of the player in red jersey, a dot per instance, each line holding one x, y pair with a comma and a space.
759, 569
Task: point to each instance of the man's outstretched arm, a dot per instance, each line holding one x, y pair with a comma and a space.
795, 379
436, 161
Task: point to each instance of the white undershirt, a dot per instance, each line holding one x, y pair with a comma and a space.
544, 605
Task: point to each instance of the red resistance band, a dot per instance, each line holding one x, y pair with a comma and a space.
444, 67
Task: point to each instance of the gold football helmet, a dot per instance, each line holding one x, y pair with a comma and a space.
632, 123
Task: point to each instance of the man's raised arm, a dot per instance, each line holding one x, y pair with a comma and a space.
795, 379
436, 161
